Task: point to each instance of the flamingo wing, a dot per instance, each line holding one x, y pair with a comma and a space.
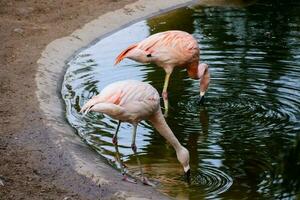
128, 100
170, 47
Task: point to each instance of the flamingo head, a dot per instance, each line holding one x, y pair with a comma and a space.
183, 157
204, 78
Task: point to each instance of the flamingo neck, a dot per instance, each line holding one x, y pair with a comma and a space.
162, 127
192, 70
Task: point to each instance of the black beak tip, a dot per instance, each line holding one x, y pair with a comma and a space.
201, 100
188, 176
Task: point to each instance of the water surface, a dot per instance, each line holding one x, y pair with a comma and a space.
245, 141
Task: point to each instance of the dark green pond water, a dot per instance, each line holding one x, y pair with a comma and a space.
245, 142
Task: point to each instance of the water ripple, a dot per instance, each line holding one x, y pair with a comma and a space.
212, 180
242, 141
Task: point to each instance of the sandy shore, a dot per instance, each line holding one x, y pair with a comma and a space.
32, 166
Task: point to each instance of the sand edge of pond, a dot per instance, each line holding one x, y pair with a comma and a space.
49, 77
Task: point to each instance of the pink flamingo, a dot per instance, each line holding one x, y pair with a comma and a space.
168, 50
133, 101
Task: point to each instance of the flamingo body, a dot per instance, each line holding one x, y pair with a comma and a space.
133, 101
168, 50
128, 101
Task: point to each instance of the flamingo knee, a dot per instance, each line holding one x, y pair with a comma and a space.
114, 140
165, 95
134, 148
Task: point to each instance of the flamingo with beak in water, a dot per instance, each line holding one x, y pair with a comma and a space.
168, 50
133, 101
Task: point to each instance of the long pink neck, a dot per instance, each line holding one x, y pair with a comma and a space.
192, 70
204, 76
162, 127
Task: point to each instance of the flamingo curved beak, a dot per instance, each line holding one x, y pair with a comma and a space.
201, 100
187, 176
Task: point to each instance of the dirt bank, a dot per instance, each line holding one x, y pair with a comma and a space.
30, 166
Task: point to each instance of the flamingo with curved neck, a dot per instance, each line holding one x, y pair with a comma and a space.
168, 50
133, 101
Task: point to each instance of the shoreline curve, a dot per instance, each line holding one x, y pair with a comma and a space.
49, 77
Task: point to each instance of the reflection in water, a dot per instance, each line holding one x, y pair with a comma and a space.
245, 142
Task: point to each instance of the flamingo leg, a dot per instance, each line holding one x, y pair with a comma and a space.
118, 157
165, 94
115, 137
134, 149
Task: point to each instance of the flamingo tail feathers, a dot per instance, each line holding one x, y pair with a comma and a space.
123, 54
87, 107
